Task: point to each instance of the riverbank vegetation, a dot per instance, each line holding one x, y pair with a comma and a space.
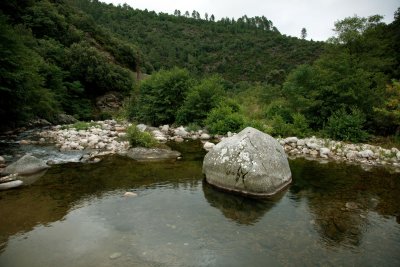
58, 56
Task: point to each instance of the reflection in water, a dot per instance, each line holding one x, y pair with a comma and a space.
76, 215
240, 209
341, 197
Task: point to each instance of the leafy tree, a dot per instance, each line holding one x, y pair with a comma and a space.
388, 115
200, 100
346, 126
162, 95
223, 119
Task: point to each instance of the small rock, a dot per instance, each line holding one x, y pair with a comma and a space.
95, 160
178, 139
291, 140
208, 146
314, 153
130, 194
141, 127
2, 161
164, 128
366, 154
205, 136
24, 142
351, 205
324, 152
115, 255
301, 142
351, 155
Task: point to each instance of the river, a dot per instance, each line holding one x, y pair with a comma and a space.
76, 215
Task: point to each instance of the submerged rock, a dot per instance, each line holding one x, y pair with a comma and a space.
152, 154
11, 184
251, 163
26, 165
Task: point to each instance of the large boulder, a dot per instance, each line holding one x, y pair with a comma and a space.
26, 165
152, 154
251, 163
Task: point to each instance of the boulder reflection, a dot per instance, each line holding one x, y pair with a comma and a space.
243, 210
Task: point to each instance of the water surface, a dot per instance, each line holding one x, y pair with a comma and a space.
76, 215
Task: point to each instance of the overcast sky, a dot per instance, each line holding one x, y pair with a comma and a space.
289, 16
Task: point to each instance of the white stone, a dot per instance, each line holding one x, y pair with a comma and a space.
181, 131
130, 194
291, 140
205, 136
141, 127
366, 154
208, 145
324, 152
351, 155
164, 128
301, 142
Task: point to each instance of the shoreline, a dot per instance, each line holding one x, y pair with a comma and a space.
107, 138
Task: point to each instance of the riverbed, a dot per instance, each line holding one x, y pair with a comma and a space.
77, 215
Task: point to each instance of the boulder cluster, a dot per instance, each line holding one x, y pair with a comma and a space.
340, 151
103, 135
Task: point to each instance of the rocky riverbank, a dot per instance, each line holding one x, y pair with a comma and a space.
109, 137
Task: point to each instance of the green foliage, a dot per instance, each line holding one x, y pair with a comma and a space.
82, 125
139, 138
388, 115
200, 100
205, 46
162, 95
193, 127
346, 126
298, 127
223, 119
54, 59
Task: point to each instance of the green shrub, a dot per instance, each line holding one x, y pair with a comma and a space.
139, 138
346, 126
193, 127
223, 119
161, 96
200, 100
82, 125
300, 126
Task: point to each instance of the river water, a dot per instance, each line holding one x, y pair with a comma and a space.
77, 215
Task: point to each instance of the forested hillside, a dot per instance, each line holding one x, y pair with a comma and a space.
54, 58
59, 55
243, 49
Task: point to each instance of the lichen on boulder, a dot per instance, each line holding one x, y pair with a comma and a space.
251, 163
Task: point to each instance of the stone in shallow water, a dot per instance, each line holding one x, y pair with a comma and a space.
26, 165
152, 154
251, 163
115, 255
130, 194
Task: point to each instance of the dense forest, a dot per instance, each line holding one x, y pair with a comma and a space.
57, 56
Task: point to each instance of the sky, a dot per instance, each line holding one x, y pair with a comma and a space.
289, 16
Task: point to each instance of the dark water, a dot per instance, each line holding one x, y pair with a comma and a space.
76, 215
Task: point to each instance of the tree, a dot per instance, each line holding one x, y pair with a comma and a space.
303, 33
206, 16
200, 100
212, 18
162, 95
350, 29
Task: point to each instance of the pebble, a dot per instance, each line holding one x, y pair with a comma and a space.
115, 255
130, 194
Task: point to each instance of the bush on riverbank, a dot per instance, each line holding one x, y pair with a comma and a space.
139, 138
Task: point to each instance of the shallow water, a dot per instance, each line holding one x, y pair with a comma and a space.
76, 215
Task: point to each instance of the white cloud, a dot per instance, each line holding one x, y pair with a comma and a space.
289, 16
